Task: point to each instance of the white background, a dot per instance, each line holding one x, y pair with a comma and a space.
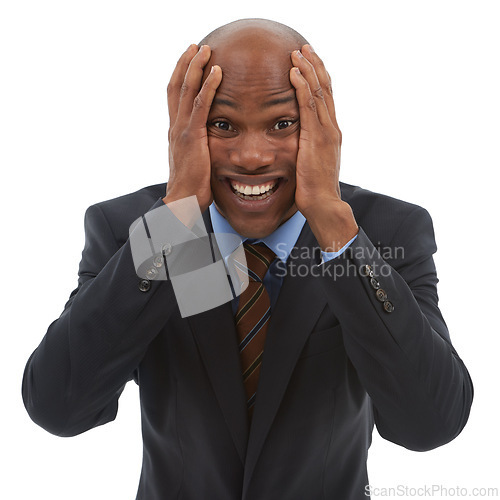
83, 118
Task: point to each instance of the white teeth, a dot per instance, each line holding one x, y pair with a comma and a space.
254, 197
252, 190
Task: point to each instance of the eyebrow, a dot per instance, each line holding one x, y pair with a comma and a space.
220, 101
279, 100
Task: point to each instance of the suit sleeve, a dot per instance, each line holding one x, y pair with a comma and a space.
396, 338
74, 378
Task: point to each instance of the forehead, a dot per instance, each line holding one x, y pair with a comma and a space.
256, 72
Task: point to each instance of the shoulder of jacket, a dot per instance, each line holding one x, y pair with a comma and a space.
122, 211
380, 215
361, 197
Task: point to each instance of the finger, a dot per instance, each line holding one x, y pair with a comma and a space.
176, 80
309, 119
308, 72
203, 101
192, 83
324, 80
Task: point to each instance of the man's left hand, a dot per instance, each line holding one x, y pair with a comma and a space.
317, 193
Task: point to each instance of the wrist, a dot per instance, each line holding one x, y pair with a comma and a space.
333, 224
185, 208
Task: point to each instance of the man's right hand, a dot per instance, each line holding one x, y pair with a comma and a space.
188, 107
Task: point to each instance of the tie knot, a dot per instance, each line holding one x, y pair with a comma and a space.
259, 258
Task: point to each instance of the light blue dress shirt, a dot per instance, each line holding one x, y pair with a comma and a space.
281, 242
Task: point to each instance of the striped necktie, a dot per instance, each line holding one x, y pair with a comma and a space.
252, 318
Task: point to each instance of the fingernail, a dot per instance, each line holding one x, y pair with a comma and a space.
212, 69
299, 53
311, 48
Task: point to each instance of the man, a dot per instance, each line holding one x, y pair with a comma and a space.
354, 337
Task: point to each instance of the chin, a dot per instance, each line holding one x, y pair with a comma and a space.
254, 215
254, 231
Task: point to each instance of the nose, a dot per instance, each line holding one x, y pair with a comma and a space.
252, 151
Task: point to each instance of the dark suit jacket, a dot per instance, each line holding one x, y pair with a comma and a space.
335, 362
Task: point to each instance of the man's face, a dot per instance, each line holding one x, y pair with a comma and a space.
253, 137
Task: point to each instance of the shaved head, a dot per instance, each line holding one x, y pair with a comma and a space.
252, 48
252, 29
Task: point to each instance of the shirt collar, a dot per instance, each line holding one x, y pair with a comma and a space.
281, 241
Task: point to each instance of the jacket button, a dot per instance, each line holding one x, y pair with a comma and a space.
375, 284
388, 307
166, 249
152, 273
365, 270
381, 295
144, 285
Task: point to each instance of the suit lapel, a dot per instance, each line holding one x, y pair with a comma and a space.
288, 331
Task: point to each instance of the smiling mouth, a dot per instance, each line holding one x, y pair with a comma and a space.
257, 192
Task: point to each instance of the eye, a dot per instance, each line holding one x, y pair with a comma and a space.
283, 124
222, 125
